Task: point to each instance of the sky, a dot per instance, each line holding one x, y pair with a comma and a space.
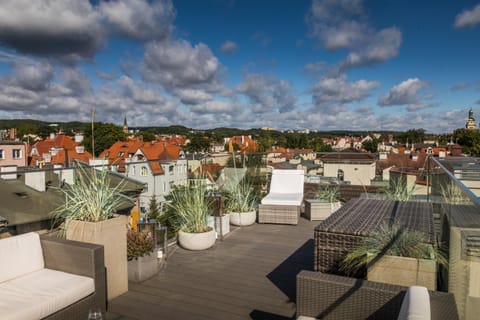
285, 64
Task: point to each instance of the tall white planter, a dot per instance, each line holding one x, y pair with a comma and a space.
242, 219
196, 241
112, 234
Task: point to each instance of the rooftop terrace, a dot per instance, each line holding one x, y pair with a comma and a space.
250, 275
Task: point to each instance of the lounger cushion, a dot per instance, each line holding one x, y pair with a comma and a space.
286, 199
415, 304
40, 293
20, 255
287, 181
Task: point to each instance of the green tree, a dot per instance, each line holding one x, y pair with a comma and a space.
412, 136
297, 140
319, 146
371, 145
106, 134
265, 142
154, 209
469, 140
198, 143
147, 135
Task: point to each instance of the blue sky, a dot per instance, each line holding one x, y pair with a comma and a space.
316, 64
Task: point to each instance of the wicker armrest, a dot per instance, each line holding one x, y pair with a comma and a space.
79, 258
329, 296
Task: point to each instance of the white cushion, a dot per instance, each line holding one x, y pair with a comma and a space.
41, 293
286, 199
287, 181
20, 255
415, 304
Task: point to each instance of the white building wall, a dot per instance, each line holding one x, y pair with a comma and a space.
357, 174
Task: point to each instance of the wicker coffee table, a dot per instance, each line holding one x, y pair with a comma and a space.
345, 229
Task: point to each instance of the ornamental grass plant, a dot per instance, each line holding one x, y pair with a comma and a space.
398, 190
90, 198
393, 241
331, 193
240, 197
190, 208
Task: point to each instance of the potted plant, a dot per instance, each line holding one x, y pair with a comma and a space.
142, 262
399, 190
190, 211
398, 256
240, 202
325, 203
89, 212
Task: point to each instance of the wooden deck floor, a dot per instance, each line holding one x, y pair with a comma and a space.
250, 275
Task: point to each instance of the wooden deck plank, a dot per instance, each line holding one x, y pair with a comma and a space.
249, 275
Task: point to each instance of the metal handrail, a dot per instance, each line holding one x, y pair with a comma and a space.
466, 191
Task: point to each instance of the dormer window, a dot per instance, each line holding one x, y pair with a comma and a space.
121, 154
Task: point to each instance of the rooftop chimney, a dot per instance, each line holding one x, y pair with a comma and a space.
35, 180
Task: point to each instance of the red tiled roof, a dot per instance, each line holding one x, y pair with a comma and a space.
62, 143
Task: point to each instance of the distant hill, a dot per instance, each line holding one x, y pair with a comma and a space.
76, 126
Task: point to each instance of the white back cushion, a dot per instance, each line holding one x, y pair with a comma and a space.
415, 304
20, 255
287, 181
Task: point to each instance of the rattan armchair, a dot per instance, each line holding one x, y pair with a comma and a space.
79, 258
326, 296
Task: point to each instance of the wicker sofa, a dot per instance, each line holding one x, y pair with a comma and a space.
326, 296
50, 278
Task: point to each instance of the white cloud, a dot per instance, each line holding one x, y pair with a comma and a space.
337, 90
191, 96
33, 75
178, 64
69, 29
228, 47
267, 93
77, 81
406, 93
213, 107
343, 25
139, 92
468, 18
139, 19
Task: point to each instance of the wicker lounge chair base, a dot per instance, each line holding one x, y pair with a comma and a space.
281, 214
326, 296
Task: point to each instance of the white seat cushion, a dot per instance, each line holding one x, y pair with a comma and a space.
286, 199
41, 293
415, 304
20, 255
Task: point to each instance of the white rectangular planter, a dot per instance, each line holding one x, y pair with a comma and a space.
214, 222
112, 234
320, 210
143, 268
404, 271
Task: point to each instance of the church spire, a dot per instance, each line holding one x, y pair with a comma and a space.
125, 125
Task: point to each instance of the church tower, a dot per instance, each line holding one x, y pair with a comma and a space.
125, 125
470, 121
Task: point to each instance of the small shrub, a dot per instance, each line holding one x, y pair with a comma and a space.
139, 244
330, 193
